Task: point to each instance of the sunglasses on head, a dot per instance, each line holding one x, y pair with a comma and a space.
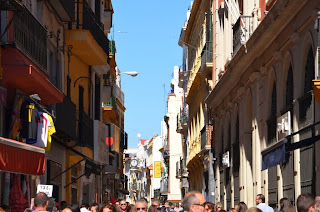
123, 204
143, 209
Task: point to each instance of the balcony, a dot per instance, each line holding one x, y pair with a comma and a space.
205, 145
64, 9
85, 130
30, 37
112, 47
164, 188
109, 111
242, 30
66, 119
183, 168
11, 4
24, 57
207, 58
178, 170
123, 139
87, 37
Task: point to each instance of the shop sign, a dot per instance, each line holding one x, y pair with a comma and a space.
157, 169
47, 189
185, 183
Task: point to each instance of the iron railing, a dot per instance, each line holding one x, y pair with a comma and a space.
203, 134
91, 22
30, 37
110, 103
242, 30
207, 54
66, 117
112, 47
85, 130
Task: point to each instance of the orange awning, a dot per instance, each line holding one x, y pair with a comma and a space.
21, 73
21, 158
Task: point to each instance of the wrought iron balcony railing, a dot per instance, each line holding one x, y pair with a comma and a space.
66, 117
91, 22
207, 54
242, 30
203, 134
85, 130
30, 37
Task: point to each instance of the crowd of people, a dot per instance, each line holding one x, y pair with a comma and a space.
194, 201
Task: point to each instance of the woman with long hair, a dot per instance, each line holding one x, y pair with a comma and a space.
285, 205
109, 208
242, 207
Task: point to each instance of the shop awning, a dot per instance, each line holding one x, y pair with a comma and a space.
21, 73
274, 154
21, 158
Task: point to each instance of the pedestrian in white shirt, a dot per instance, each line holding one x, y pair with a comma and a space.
260, 201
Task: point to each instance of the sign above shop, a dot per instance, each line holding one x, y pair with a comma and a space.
47, 189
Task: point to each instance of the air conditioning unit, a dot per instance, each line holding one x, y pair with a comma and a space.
284, 125
226, 159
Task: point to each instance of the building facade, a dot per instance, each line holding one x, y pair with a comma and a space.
58, 61
262, 105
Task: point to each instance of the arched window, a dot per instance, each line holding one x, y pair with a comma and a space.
305, 102
272, 122
289, 87
309, 72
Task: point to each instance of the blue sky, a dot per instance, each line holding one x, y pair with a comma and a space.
147, 43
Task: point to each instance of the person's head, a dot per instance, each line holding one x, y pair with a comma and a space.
51, 205
109, 208
285, 205
254, 209
193, 202
141, 205
305, 203
152, 208
62, 205
156, 202
219, 206
130, 208
232, 210
260, 199
242, 207
317, 205
71, 208
41, 201
177, 205
113, 200
123, 204
172, 206
208, 207
94, 207
85, 205
166, 204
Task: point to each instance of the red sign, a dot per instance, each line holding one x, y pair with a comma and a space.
109, 141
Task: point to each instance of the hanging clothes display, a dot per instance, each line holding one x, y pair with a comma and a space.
42, 130
15, 123
29, 117
51, 131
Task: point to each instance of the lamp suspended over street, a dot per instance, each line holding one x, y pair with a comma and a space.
131, 73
